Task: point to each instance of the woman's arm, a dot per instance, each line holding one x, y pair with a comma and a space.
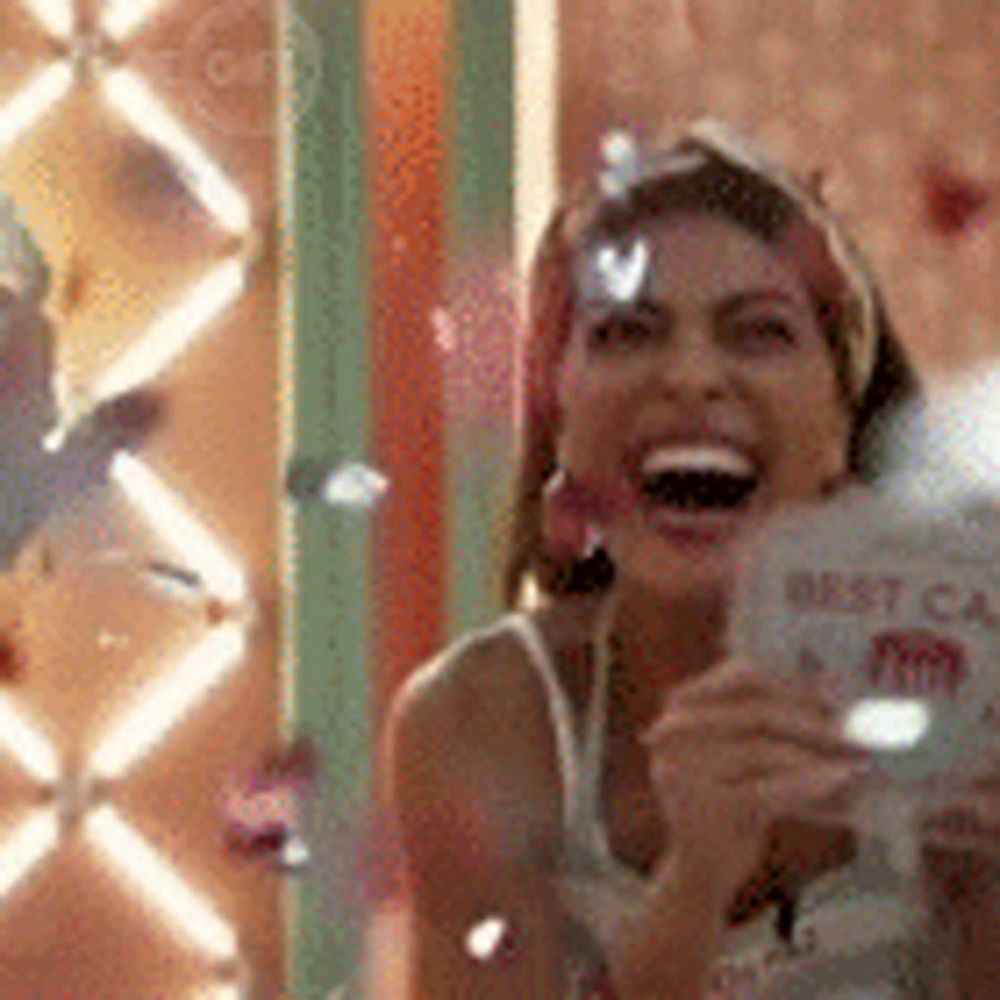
967, 891
669, 947
475, 785
466, 748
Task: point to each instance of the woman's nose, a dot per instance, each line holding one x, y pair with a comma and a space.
692, 364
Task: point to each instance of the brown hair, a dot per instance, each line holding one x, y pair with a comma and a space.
715, 187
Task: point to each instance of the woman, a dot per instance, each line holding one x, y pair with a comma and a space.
594, 799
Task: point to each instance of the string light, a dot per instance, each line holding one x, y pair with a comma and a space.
127, 851
152, 352
26, 847
194, 546
128, 93
24, 110
35, 753
124, 17
56, 16
168, 700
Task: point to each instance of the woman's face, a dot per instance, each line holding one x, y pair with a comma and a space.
698, 381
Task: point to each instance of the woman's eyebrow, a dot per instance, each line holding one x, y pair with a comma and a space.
738, 301
645, 306
612, 307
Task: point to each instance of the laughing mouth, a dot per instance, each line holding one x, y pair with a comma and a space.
694, 479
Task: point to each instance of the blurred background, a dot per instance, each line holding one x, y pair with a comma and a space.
307, 224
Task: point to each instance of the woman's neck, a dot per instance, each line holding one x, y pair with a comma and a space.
661, 641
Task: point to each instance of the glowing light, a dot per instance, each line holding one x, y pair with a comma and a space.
164, 513
23, 110
29, 843
168, 699
35, 754
56, 16
483, 940
152, 352
133, 99
159, 882
123, 17
888, 723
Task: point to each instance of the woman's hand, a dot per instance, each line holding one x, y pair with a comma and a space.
733, 751
970, 819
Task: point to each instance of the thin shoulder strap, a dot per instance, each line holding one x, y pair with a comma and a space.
592, 756
560, 714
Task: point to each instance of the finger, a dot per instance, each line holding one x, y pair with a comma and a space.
776, 761
963, 834
808, 790
753, 730
970, 813
739, 680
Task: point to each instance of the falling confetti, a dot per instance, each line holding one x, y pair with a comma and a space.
621, 275
351, 485
955, 203
354, 485
620, 153
484, 940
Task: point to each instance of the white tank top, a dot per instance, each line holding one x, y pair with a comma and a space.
854, 938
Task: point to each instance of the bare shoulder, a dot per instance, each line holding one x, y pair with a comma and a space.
470, 753
476, 794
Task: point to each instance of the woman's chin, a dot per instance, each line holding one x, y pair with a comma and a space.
684, 554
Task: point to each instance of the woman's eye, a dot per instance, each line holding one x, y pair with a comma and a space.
621, 331
760, 332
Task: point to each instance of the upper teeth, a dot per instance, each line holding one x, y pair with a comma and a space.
697, 458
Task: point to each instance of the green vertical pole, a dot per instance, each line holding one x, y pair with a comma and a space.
325, 175
480, 222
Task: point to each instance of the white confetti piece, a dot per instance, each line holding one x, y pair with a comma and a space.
621, 274
484, 939
354, 485
620, 153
